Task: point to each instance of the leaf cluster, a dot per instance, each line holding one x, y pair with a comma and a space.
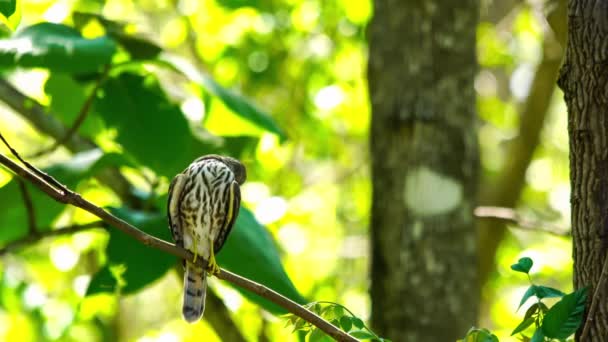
547, 324
336, 314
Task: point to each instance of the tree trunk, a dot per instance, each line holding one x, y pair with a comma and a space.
584, 80
425, 167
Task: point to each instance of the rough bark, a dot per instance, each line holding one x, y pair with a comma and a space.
584, 80
424, 168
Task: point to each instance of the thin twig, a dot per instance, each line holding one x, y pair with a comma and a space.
65, 195
82, 115
33, 238
595, 300
39, 174
29, 207
510, 215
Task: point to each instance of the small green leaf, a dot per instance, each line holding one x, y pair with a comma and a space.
318, 335
523, 265
531, 291
8, 7
57, 48
538, 336
358, 323
532, 310
346, 323
565, 316
338, 311
523, 325
361, 334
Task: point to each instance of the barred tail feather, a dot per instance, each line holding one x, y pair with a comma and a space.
195, 291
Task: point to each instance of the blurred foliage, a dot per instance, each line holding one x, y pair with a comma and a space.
279, 84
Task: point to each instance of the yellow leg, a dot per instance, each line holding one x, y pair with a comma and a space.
213, 267
195, 250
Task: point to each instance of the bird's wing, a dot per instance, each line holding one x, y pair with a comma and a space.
234, 203
175, 194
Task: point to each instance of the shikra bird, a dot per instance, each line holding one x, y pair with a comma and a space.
202, 207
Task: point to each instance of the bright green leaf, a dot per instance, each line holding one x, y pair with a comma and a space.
523, 265
57, 48
8, 7
361, 334
565, 316
358, 323
150, 127
523, 325
346, 323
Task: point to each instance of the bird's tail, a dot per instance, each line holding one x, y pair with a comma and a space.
195, 291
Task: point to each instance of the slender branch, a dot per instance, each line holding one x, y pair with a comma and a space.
82, 115
29, 207
33, 238
510, 215
595, 300
64, 195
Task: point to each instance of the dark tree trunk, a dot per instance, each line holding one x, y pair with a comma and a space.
425, 167
584, 80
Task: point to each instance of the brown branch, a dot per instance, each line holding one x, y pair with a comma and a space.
511, 216
29, 207
82, 115
33, 238
67, 196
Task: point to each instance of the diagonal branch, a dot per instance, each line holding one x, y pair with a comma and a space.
67, 196
33, 238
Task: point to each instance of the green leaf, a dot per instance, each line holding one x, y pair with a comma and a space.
66, 100
538, 336
13, 218
531, 291
338, 311
249, 241
565, 316
361, 334
523, 265
239, 104
523, 325
57, 48
346, 323
358, 323
318, 335
548, 292
150, 127
8, 7
143, 264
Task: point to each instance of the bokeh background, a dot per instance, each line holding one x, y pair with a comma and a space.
304, 64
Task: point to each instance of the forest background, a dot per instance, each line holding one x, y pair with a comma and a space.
283, 86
